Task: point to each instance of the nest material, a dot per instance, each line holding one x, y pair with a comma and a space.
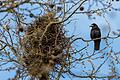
44, 46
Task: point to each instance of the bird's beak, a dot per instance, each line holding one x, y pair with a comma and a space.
91, 26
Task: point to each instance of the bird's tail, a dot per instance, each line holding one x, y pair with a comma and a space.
96, 44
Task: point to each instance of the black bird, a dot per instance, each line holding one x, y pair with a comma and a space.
95, 33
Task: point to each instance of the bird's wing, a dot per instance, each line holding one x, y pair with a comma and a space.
95, 33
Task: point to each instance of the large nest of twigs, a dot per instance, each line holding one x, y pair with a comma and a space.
44, 46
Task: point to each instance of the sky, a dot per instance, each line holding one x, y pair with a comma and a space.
80, 27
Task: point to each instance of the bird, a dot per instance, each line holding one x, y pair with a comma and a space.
95, 36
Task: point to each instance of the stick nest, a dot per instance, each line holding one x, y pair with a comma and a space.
44, 46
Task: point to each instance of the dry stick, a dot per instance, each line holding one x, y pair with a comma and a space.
46, 30
60, 72
69, 9
61, 21
110, 37
108, 25
11, 47
3, 47
101, 65
99, 77
14, 6
95, 10
74, 11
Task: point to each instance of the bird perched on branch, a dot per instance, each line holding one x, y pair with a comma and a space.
95, 36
